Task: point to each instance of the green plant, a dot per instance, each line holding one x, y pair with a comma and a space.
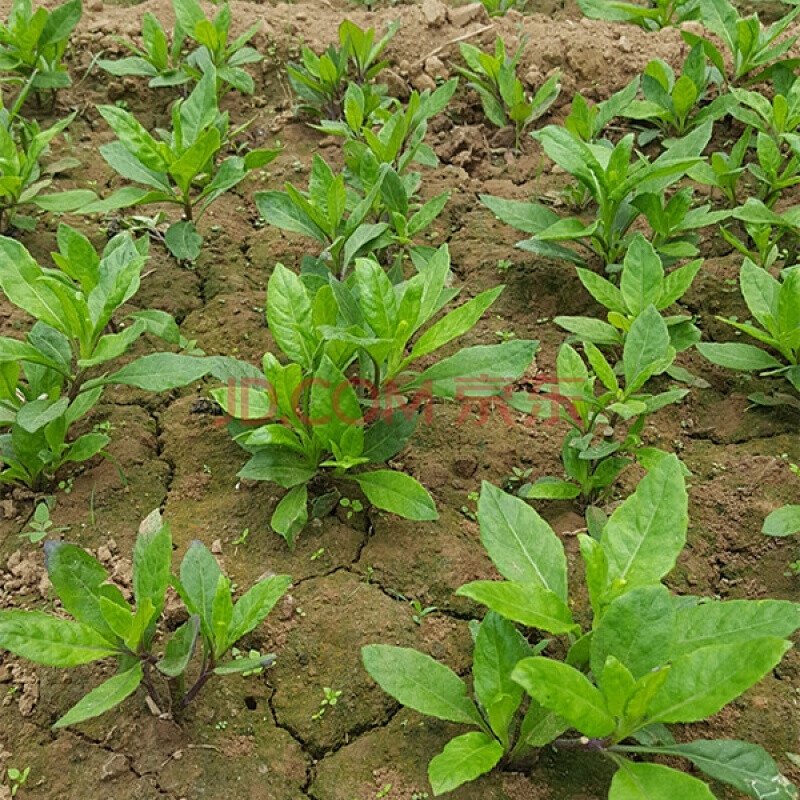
499, 8
588, 122
502, 94
420, 612
606, 428
106, 625
32, 44
322, 426
41, 525
675, 105
17, 778
23, 178
57, 375
321, 81
329, 699
647, 659
724, 169
766, 229
775, 306
652, 17
755, 50
642, 282
181, 168
156, 60
613, 178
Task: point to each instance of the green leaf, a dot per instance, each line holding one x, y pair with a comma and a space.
183, 241
161, 372
521, 544
550, 489
637, 630
463, 759
746, 357
51, 641
289, 315
104, 697
200, 574
180, 648
783, 521
525, 603
254, 606
700, 683
717, 623
152, 557
63, 202
567, 692
291, 514
279, 465
645, 535
745, 766
636, 781
646, 344
420, 683
398, 493
376, 296
642, 278
245, 665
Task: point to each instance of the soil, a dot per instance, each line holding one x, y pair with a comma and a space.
354, 575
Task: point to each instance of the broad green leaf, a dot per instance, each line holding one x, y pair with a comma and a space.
104, 697
376, 297
641, 781
525, 603
420, 683
645, 535
700, 683
291, 514
254, 606
180, 648
245, 665
541, 725
642, 278
200, 574
738, 356
783, 521
183, 240
161, 372
717, 623
521, 544
51, 641
289, 315
152, 558
567, 692
646, 344
398, 493
277, 464
636, 629
463, 759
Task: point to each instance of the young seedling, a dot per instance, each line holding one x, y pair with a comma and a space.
180, 167
755, 50
647, 659
105, 625
57, 375
32, 44
502, 94
613, 178
329, 700
775, 306
41, 526
675, 106
17, 778
588, 122
606, 428
724, 169
652, 17
305, 418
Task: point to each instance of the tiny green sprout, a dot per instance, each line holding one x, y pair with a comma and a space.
419, 612
318, 554
221, 725
516, 478
352, 506
41, 525
251, 655
66, 486
241, 539
503, 265
206, 469
330, 699
384, 792
17, 778
505, 336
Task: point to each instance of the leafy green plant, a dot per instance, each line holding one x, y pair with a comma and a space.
41, 526
755, 50
775, 306
588, 122
499, 8
766, 229
652, 17
723, 169
605, 428
17, 778
320, 82
675, 105
32, 44
648, 658
642, 282
56, 376
180, 167
105, 625
308, 423
156, 60
502, 94
23, 177
614, 179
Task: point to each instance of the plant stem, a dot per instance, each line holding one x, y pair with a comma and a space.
206, 672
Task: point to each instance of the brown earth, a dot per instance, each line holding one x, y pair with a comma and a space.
255, 736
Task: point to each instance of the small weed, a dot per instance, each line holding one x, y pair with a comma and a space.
41, 525
330, 699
